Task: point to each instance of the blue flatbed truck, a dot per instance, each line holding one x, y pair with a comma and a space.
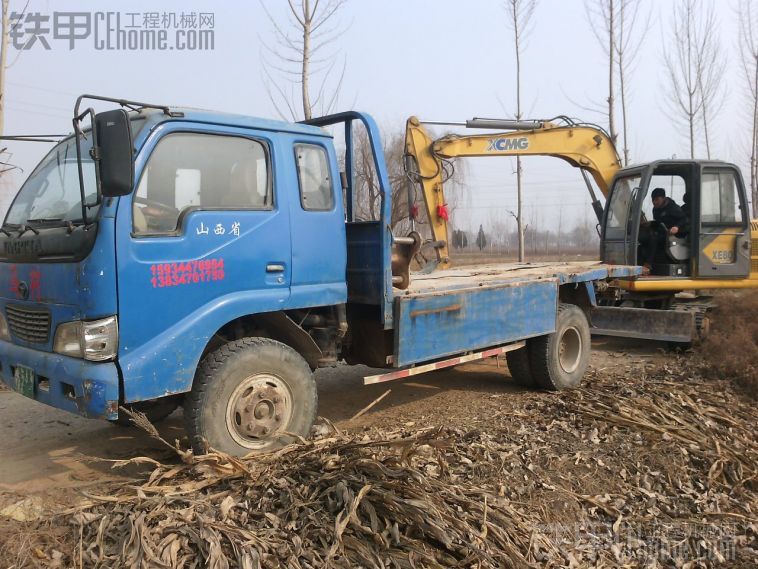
160, 257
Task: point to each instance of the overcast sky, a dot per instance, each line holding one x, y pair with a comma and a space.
440, 60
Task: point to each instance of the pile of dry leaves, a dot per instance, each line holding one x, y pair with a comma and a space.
731, 348
651, 466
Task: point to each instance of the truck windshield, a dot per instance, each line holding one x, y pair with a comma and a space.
51, 194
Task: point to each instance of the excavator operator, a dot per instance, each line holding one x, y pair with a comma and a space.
667, 212
669, 219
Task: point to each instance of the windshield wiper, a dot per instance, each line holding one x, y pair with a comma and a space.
44, 220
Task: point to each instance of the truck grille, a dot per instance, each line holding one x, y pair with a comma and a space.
29, 325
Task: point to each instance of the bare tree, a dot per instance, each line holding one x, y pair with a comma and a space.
747, 13
710, 76
690, 65
367, 202
627, 46
368, 195
6, 29
304, 55
603, 15
615, 24
520, 14
3, 62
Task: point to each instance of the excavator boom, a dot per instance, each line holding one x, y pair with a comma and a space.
583, 146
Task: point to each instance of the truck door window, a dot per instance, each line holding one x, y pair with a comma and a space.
314, 176
719, 199
199, 171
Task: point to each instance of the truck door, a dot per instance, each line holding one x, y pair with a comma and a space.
204, 239
723, 237
319, 251
621, 221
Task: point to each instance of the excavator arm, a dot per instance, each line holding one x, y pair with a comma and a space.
583, 146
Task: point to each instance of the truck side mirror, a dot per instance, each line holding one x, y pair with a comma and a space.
114, 144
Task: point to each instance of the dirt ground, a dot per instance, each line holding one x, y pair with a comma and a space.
46, 450
582, 445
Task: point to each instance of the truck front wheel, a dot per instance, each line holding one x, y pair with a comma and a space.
248, 396
559, 360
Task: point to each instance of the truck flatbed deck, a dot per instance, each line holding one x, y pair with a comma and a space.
458, 310
503, 273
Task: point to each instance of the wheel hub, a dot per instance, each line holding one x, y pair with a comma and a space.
258, 410
570, 350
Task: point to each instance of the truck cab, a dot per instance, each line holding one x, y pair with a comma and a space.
97, 311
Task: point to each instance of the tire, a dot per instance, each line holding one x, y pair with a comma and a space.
518, 365
559, 360
247, 394
155, 411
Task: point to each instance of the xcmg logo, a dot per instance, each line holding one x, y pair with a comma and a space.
500, 144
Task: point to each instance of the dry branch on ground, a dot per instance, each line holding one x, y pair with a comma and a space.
641, 464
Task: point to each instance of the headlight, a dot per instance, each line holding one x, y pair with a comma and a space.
68, 339
4, 333
96, 340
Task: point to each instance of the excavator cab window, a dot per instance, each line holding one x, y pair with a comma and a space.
675, 186
620, 205
618, 234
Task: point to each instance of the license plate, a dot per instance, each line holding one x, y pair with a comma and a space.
24, 377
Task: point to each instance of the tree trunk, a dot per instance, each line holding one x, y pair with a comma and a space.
692, 136
3, 63
307, 112
520, 218
622, 85
691, 88
754, 149
611, 67
705, 130
519, 197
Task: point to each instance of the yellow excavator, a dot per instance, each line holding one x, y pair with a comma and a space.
713, 251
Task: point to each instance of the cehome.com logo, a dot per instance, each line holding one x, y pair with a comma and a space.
500, 144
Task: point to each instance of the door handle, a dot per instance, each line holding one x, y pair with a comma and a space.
274, 268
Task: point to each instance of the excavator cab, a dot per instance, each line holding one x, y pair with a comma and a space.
714, 240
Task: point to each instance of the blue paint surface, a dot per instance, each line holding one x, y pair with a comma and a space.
95, 385
164, 329
433, 325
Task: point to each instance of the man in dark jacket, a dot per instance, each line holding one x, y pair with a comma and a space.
667, 212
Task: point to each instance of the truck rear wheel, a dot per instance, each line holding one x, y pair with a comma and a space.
559, 360
248, 396
518, 365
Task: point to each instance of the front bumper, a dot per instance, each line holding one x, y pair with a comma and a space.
85, 388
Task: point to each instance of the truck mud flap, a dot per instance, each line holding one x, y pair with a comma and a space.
644, 323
